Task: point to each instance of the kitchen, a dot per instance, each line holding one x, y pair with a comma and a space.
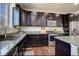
39, 29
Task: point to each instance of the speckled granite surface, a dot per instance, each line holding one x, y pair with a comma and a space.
7, 45
69, 39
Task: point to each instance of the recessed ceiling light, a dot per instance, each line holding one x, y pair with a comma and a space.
75, 3
71, 15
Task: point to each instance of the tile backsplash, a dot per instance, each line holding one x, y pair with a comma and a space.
8, 30
31, 29
43, 29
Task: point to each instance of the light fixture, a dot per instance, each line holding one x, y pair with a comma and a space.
71, 15
57, 15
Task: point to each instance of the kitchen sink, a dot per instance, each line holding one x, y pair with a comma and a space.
9, 38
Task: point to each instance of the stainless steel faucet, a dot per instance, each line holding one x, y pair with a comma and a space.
5, 32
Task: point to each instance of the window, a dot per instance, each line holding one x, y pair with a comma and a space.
16, 14
3, 15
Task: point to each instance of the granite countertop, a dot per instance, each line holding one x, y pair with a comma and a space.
69, 39
35, 32
7, 45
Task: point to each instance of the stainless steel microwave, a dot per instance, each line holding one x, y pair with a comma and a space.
51, 23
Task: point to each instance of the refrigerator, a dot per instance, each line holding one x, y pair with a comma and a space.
74, 28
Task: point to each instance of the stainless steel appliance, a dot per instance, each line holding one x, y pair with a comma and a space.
51, 41
51, 23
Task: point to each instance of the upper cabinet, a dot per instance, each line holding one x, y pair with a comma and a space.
59, 19
55, 17
73, 17
29, 18
39, 19
23, 17
50, 16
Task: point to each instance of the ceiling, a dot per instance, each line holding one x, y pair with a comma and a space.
51, 7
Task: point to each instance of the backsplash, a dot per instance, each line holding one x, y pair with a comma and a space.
34, 29
8, 30
42, 29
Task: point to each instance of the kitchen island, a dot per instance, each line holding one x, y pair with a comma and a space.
71, 44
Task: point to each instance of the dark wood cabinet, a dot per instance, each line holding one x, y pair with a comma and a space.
30, 40
59, 20
21, 47
73, 17
55, 17
65, 21
62, 48
43, 39
29, 18
23, 17
18, 49
38, 19
13, 52
35, 40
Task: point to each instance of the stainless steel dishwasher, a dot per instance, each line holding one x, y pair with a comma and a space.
51, 40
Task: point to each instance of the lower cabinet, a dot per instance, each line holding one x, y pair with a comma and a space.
30, 40
43, 39
35, 40
62, 48
13, 52
21, 47
18, 49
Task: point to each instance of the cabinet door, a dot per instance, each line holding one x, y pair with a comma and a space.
43, 39
21, 47
37, 19
27, 42
71, 17
23, 18
34, 39
59, 20
28, 18
31, 40
13, 52
62, 48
